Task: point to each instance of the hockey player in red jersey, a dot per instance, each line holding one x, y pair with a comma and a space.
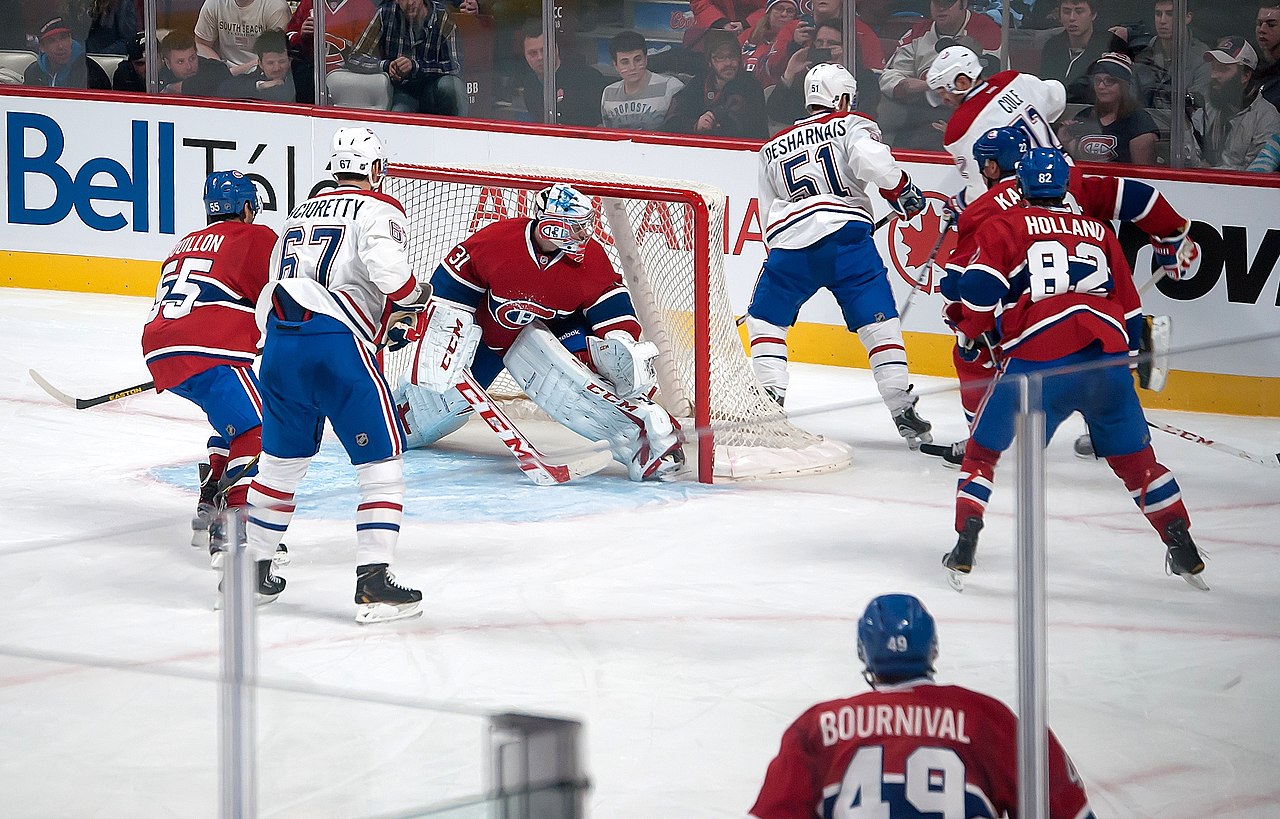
910, 748
1056, 289
996, 154
540, 298
200, 339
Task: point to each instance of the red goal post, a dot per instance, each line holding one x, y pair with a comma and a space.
664, 237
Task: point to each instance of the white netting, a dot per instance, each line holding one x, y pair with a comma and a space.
655, 244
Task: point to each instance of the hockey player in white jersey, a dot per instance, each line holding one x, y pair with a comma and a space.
814, 179
341, 273
1009, 98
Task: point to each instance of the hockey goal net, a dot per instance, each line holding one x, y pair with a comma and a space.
665, 238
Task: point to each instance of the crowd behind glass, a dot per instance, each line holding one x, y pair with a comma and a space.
1140, 88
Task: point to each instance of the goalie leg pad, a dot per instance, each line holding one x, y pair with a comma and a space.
1153, 365
642, 436
429, 416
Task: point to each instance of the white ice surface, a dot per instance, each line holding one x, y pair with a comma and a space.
686, 625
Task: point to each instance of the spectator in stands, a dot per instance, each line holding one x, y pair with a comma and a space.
412, 39
640, 100
1153, 63
800, 33
1115, 128
729, 15
112, 24
1268, 159
785, 104
131, 74
184, 71
1067, 56
1236, 121
227, 29
578, 85
1266, 79
62, 62
342, 27
272, 80
722, 100
906, 113
761, 41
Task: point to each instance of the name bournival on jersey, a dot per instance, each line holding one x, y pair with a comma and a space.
336, 207
806, 135
863, 721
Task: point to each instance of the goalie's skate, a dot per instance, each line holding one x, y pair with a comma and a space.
911, 426
959, 561
1182, 557
379, 598
952, 455
269, 586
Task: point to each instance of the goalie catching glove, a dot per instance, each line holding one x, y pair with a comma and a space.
449, 341
1175, 254
626, 363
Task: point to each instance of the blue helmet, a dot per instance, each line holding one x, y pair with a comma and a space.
1043, 174
227, 192
896, 637
1005, 145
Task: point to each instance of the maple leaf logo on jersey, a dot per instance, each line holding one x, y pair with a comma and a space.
515, 315
911, 242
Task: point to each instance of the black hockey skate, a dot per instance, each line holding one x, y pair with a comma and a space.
778, 394
218, 547
959, 561
206, 508
952, 455
380, 598
1183, 558
911, 426
269, 586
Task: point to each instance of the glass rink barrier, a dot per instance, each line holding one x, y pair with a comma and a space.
1123, 83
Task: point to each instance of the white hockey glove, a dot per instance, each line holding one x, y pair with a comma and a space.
1175, 254
448, 346
625, 363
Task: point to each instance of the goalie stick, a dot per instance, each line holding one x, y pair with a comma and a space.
1264, 460
532, 462
85, 403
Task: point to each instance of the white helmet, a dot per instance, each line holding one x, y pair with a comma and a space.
952, 62
564, 217
357, 151
826, 83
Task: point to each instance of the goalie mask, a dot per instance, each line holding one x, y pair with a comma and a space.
565, 218
358, 151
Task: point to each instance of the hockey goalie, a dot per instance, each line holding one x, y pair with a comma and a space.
539, 297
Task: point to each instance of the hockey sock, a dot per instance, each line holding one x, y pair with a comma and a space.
218, 453
1152, 486
244, 449
768, 352
888, 357
974, 381
270, 500
380, 511
973, 489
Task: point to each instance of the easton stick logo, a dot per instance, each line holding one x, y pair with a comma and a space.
910, 242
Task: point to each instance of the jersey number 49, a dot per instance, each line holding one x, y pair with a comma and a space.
931, 786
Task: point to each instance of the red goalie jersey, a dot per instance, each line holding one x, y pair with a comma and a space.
908, 751
204, 310
501, 275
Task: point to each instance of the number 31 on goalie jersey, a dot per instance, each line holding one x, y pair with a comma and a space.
1053, 270
931, 786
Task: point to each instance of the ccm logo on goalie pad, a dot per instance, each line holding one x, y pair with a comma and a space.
515, 315
621, 403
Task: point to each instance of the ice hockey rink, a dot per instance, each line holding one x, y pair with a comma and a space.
685, 625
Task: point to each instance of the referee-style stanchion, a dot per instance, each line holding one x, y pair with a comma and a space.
236, 688
1033, 757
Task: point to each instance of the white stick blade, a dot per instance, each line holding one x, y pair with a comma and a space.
53, 391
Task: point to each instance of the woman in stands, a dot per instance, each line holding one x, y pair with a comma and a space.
760, 41
1115, 128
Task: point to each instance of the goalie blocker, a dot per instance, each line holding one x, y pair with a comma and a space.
641, 435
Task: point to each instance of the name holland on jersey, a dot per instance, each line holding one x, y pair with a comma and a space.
1056, 224
863, 721
805, 136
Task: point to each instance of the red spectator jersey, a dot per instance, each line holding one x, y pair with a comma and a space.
908, 751
203, 315
344, 22
1051, 282
501, 268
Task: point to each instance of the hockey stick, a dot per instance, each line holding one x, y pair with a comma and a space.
532, 462
916, 286
1264, 460
85, 403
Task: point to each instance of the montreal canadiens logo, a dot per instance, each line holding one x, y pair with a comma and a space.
1099, 146
514, 315
911, 242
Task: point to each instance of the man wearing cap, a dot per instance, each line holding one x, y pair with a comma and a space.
131, 74
1236, 120
62, 62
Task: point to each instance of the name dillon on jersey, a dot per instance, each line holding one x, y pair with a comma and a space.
863, 721
805, 136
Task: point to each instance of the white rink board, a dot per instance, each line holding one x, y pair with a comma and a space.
56, 148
